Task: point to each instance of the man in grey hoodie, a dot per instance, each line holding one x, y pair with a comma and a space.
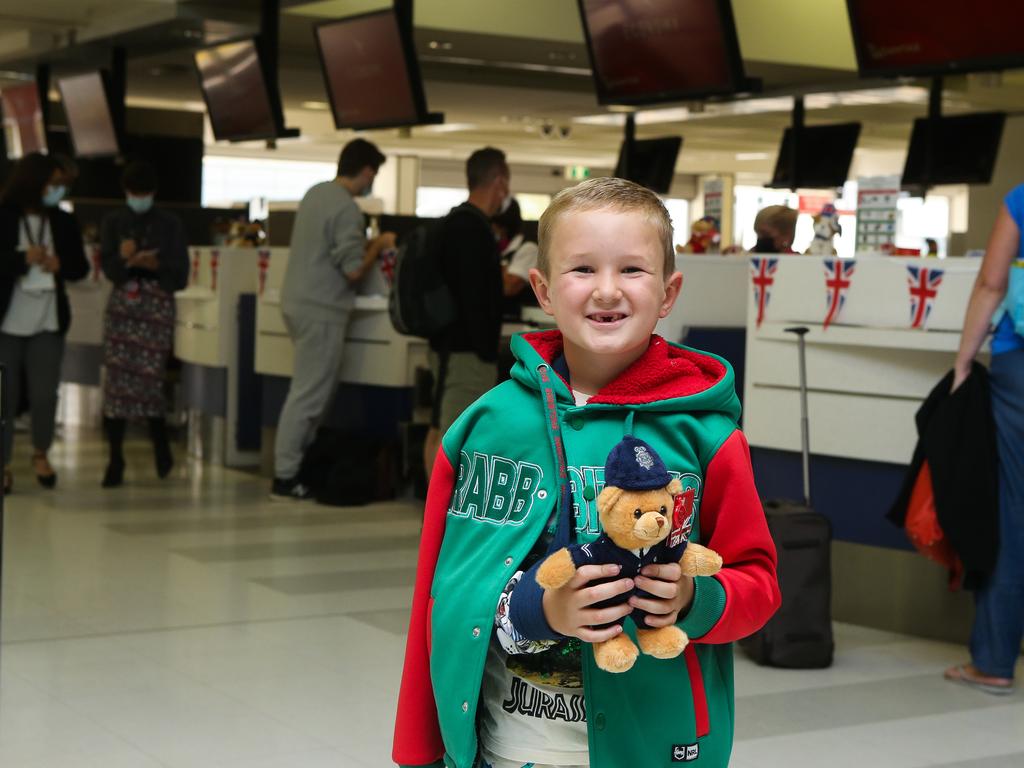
329, 256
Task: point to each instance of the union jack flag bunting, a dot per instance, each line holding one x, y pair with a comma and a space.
838, 274
263, 262
923, 283
762, 275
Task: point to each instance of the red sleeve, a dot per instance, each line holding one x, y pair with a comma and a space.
733, 524
417, 734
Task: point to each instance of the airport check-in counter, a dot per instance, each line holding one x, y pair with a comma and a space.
210, 341
868, 373
83, 344
375, 354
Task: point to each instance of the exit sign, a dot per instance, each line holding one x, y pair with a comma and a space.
577, 172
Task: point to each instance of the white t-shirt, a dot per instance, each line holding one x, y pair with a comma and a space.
524, 257
527, 721
33, 306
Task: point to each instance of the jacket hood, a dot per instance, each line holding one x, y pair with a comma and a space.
667, 377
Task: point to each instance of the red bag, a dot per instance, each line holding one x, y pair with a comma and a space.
923, 529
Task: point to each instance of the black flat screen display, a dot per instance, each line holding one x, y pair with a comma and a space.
651, 163
933, 37
652, 51
371, 72
235, 90
90, 119
824, 154
959, 149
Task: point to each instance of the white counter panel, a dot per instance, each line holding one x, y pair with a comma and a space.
374, 354
714, 294
867, 373
88, 302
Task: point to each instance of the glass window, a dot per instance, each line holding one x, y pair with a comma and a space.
435, 202
679, 211
228, 181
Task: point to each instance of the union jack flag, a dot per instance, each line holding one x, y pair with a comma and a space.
263, 262
923, 283
214, 262
838, 274
762, 275
195, 266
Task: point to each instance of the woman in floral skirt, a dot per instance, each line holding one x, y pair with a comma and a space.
145, 256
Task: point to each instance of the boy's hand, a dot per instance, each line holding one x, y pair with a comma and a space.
673, 593
568, 609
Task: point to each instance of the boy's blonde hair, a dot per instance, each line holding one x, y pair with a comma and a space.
606, 193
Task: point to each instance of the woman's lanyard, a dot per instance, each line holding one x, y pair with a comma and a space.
38, 240
564, 526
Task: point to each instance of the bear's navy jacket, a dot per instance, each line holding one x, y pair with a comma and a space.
604, 551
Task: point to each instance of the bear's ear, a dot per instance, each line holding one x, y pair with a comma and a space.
675, 487
607, 498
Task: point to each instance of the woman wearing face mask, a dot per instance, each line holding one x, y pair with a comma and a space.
145, 256
40, 249
775, 227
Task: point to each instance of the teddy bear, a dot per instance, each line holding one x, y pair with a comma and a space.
826, 226
704, 237
644, 521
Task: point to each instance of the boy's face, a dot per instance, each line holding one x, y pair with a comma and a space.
606, 288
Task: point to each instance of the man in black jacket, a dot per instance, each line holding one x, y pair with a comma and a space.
464, 356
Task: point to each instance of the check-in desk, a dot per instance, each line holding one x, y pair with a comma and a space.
375, 353
83, 344
80, 396
711, 311
209, 340
867, 374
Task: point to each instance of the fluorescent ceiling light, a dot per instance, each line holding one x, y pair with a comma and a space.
447, 127
752, 155
318, 105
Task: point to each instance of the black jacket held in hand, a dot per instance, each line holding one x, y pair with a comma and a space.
956, 435
67, 244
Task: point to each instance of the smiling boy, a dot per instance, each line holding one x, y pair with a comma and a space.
498, 673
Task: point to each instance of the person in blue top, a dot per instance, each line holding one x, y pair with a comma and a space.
999, 605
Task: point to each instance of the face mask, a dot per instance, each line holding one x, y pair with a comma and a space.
506, 201
140, 204
53, 195
765, 245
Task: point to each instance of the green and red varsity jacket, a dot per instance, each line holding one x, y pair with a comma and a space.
493, 490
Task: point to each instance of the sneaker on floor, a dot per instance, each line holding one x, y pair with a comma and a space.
290, 490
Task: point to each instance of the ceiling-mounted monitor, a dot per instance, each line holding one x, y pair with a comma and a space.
824, 154
653, 51
371, 72
89, 114
23, 120
651, 162
960, 149
935, 37
240, 105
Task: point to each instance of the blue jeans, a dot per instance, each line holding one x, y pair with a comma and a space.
999, 605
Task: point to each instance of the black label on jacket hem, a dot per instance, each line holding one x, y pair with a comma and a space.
685, 753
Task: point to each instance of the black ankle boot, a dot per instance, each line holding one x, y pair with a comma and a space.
114, 476
162, 456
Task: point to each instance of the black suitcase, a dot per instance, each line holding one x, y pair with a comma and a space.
799, 635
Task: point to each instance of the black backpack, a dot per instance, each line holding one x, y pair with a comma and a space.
421, 303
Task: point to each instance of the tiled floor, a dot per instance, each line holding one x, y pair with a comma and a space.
191, 623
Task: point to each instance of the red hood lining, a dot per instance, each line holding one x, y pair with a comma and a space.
663, 372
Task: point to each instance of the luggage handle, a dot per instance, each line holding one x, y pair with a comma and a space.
805, 439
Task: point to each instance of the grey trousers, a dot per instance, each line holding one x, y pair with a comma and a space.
38, 359
318, 350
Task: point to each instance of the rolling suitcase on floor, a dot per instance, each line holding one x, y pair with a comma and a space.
799, 635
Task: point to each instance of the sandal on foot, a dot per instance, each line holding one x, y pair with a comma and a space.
966, 675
